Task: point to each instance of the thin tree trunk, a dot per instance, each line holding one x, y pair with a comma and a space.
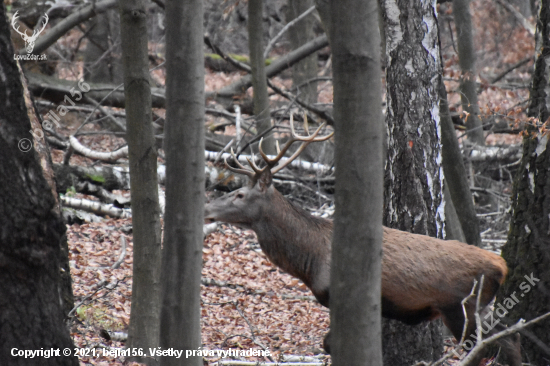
184, 147
467, 61
102, 55
456, 178
357, 251
144, 321
31, 232
259, 81
300, 34
527, 251
414, 181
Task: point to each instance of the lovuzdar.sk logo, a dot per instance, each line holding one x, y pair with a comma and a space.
29, 40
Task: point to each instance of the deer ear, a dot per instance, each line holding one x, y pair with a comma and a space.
265, 180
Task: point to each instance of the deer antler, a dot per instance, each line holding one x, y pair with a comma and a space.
306, 140
13, 20
36, 33
255, 172
252, 174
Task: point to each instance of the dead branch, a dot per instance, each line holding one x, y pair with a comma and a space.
511, 68
95, 207
56, 90
483, 153
285, 28
521, 324
122, 253
304, 165
278, 65
519, 17
110, 157
321, 113
77, 17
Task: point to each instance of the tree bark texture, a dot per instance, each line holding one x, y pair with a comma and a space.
467, 61
184, 148
527, 251
355, 302
300, 34
259, 78
413, 176
31, 312
144, 320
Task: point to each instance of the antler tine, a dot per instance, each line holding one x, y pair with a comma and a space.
256, 168
13, 20
242, 169
306, 140
280, 153
36, 32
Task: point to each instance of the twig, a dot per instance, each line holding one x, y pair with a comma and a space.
511, 68
97, 106
516, 327
479, 330
327, 117
463, 302
107, 114
285, 28
122, 253
519, 17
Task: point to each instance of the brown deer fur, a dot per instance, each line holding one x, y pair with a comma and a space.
423, 278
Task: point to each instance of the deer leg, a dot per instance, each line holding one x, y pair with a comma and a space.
510, 345
453, 318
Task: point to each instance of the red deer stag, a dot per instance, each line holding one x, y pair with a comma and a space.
423, 278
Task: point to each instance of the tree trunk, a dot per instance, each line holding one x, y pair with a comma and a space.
456, 178
31, 316
101, 62
300, 34
413, 181
259, 81
527, 251
467, 61
357, 251
184, 147
144, 321
48, 170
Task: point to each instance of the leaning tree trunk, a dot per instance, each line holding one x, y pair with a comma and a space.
144, 320
357, 251
259, 80
464, 218
413, 181
31, 309
527, 251
184, 147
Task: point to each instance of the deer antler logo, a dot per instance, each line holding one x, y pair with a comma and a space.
29, 40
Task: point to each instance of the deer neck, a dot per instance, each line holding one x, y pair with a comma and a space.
293, 239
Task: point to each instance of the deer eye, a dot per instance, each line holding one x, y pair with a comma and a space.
240, 195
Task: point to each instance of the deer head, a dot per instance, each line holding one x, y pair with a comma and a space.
245, 205
29, 40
